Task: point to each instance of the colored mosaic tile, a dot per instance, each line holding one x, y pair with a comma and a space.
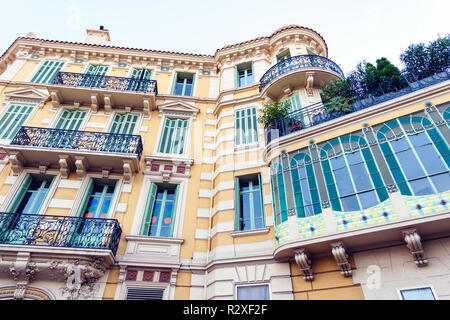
281, 233
434, 203
381, 213
311, 226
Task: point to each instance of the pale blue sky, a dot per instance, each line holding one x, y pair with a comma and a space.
354, 30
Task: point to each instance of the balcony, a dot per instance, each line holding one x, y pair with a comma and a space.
316, 114
298, 71
108, 91
70, 149
59, 231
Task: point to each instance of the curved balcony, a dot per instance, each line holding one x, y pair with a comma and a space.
292, 72
67, 149
103, 90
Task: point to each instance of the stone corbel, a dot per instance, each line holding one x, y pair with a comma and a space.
287, 90
127, 171
146, 103
94, 102
304, 263
108, 103
17, 162
342, 258
82, 166
106, 171
43, 167
414, 244
64, 166
55, 98
309, 83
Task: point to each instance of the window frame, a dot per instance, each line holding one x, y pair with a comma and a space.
26, 119
238, 195
400, 295
236, 286
246, 76
174, 83
41, 64
246, 133
186, 139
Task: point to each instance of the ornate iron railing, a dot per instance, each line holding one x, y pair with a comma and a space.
71, 79
298, 63
315, 114
59, 231
78, 140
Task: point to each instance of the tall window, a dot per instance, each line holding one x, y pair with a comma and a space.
246, 126
249, 203
352, 178
418, 158
97, 199
95, 78
47, 71
138, 79
244, 74
418, 294
279, 193
283, 55
253, 292
306, 195
11, 121
160, 211
183, 85
173, 136
294, 102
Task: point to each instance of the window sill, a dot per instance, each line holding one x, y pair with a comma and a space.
242, 147
154, 239
245, 233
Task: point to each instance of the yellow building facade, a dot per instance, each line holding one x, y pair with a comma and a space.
142, 174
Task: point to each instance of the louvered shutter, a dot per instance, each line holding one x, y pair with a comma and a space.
145, 294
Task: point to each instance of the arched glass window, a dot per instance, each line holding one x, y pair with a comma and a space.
306, 195
278, 194
416, 154
351, 175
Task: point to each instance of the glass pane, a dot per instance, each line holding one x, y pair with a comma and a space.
245, 211
441, 182
421, 187
360, 177
430, 159
155, 218
258, 215
368, 199
410, 165
418, 294
350, 203
260, 292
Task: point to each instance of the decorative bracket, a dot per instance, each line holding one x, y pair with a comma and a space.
414, 244
64, 166
341, 256
304, 263
17, 162
82, 165
94, 102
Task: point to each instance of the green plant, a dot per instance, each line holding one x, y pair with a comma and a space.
337, 104
273, 111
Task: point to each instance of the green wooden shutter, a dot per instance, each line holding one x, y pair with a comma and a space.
70, 120
146, 222
47, 71
237, 127
84, 202
174, 210
13, 119
91, 69
261, 192
237, 205
20, 194
174, 84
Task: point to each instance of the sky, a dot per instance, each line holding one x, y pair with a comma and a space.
353, 30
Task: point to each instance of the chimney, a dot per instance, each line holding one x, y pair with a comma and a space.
99, 36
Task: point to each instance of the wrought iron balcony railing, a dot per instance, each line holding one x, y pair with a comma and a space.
78, 140
317, 113
298, 63
58, 231
70, 79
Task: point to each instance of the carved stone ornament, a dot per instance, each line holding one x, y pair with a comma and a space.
340, 255
414, 244
304, 263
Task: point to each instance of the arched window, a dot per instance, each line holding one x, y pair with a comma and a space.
279, 193
306, 195
416, 154
351, 175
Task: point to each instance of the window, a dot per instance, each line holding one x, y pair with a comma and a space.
47, 71
244, 74
159, 214
294, 102
249, 203
419, 159
418, 294
173, 136
68, 120
253, 292
144, 294
27, 201
283, 55
96, 76
306, 195
183, 85
11, 121
31, 194
352, 178
246, 126
124, 123
97, 199
139, 79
